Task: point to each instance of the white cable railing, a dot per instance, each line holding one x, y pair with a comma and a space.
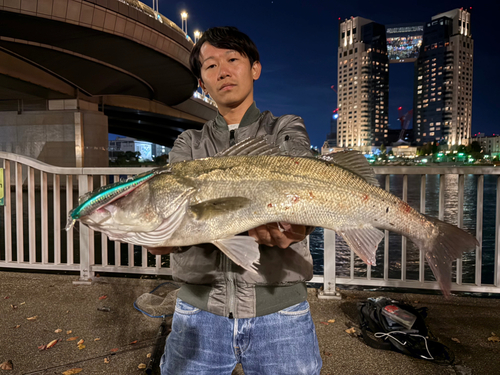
38, 197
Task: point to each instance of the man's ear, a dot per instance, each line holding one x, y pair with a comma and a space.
202, 85
256, 70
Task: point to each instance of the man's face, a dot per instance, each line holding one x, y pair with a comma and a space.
227, 76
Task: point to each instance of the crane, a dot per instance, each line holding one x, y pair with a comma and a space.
404, 119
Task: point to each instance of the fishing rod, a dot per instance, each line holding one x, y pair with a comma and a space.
139, 345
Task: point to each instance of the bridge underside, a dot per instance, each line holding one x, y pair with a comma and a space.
75, 71
147, 126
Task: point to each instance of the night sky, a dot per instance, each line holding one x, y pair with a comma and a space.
298, 42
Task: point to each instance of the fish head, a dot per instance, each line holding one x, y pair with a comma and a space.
133, 212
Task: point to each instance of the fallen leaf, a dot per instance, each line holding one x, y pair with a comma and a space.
350, 330
148, 355
328, 354
6, 297
114, 350
455, 339
81, 346
331, 321
7, 365
106, 360
42, 347
80, 342
32, 318
68, 332
72, 338
59, 330
133, 342
13, 307
494, 338
103, 297
17, 326
141, 366
97, 339
325, 323
52, 343
72, 371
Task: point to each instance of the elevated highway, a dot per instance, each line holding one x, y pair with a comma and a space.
96, 66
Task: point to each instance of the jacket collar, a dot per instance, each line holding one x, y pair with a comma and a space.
251, 115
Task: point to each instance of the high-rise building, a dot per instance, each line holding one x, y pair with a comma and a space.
363, 84
443, 81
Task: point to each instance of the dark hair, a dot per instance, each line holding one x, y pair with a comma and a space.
226, 37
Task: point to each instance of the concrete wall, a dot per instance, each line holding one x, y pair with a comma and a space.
53, 136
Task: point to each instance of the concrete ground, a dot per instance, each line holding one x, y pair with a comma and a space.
464, 324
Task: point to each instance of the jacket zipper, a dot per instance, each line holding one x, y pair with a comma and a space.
230, 281
230, 287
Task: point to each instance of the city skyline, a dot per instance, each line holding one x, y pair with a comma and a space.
298, 46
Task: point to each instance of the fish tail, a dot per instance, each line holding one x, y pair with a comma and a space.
448, 245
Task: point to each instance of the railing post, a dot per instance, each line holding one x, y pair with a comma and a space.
329, 287
86, 275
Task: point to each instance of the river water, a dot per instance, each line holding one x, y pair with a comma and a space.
316, 240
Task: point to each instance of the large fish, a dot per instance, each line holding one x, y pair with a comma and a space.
212, 200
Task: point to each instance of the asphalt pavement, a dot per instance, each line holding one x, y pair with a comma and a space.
45, 317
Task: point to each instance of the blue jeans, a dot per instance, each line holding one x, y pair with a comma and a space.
202, 343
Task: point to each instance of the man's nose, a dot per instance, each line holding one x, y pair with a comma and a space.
223, 71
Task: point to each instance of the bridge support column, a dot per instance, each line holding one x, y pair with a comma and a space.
68, 133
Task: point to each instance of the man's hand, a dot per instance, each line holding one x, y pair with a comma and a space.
161, 250
271, 235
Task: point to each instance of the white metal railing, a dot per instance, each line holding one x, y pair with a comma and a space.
33, 237
31, 224
330, 277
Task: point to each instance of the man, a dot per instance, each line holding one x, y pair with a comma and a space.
224, 314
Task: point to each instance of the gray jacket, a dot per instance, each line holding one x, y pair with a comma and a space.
213, 282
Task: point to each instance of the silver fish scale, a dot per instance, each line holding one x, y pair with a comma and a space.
297, 190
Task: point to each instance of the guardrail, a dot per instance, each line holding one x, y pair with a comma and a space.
33, 239
33, 235
424, 280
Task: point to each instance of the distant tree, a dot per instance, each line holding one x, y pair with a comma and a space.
132, 155
474, 147
161, 160
383, 149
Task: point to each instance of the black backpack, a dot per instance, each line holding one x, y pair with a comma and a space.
381, 332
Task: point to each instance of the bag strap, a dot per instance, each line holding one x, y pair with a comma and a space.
364, 310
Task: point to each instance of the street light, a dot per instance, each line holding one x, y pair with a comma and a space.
197, 35
184, 17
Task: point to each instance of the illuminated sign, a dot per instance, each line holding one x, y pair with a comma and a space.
1, 188
404, 42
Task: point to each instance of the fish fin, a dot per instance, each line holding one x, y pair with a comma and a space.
363, 241
215, 207
242, 250
251, 146
354, 162
449, 245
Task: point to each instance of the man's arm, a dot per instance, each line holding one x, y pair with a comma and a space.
182, 149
